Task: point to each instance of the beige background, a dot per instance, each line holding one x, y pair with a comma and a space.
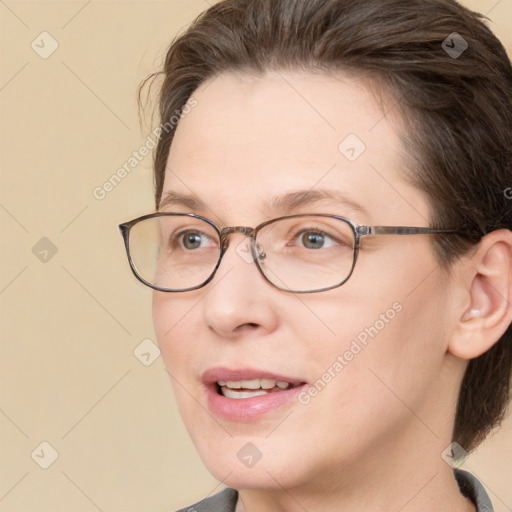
71, 320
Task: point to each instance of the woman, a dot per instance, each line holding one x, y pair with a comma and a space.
332, 250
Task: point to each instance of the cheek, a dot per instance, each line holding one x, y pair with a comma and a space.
175, 321
377, 343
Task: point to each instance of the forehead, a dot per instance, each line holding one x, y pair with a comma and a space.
250, 138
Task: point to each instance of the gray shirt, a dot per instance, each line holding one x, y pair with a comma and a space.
469, 486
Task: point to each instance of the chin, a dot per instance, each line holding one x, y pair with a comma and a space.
257, 477
249, 462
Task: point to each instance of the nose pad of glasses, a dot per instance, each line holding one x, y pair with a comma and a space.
249, 250
257, 251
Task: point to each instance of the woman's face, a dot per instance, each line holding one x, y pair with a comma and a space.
377, 344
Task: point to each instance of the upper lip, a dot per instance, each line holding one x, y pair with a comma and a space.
214, 374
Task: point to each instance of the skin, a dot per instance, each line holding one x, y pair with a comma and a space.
372, 439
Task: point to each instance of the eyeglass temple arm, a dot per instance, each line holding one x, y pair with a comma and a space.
399, 230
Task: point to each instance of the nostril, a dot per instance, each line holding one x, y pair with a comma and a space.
243, 329
248, 325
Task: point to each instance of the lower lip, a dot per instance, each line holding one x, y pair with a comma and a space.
247, 409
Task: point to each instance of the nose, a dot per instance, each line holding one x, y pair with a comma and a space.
239, 300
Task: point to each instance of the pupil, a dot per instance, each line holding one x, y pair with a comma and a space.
313, 240
192, 241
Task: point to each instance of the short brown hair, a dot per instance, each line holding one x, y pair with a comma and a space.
458, 111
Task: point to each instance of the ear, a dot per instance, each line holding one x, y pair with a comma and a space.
488, 309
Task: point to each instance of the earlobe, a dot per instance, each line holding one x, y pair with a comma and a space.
489, 288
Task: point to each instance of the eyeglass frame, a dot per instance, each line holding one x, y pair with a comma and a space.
358, 231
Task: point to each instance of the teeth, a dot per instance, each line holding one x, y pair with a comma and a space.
253, 384
268, 383
249, 384
229, 393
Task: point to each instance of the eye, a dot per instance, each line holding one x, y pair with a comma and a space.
315, 240
191, 240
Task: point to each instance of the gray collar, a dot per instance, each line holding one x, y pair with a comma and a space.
471, 488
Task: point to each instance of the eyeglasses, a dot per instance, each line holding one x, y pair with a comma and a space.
306, 253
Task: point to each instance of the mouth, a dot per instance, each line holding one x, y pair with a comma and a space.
246, 394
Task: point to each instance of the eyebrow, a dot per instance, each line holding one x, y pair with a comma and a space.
295, 200
187, 201
282, 204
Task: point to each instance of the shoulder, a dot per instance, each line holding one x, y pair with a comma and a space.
224, 501
470, 487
